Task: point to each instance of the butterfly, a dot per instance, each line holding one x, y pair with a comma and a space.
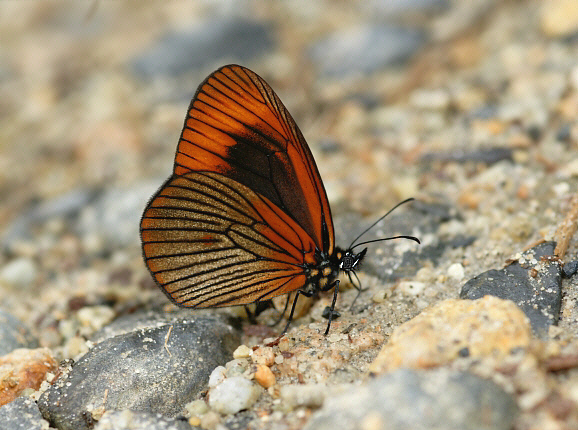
244, 217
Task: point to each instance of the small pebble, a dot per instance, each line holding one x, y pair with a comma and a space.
195, 421
236, 367
19, 273
233, 395
242, 351
378, 297
336, 337
561, 189
264, 376
570, 169
559, 18
263, 355
310, 395
435, 99
210, 420
217, 376
197, 407
570, 269
95, 317
456, 271
75, 347
372, 421
411, 288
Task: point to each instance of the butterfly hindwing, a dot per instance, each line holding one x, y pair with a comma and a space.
211, 241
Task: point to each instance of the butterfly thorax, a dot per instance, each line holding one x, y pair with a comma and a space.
322, 274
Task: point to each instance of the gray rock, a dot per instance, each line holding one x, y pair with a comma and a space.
570, 269
152, 318
487, 156
538, 294
222, 40
21, 414
127, 419
156, 370
14, 334
365, 49
65, 206
114, 214
564, 133
405, 399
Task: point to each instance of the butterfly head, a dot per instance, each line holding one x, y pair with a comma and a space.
350, 261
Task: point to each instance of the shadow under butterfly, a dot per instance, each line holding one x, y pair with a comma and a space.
244, 217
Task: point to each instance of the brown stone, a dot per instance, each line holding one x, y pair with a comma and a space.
559, 18
24, 368
485, 327
264, 376
263, 355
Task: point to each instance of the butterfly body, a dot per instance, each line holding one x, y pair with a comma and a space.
244, 217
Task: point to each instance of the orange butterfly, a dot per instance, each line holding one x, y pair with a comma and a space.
244, 217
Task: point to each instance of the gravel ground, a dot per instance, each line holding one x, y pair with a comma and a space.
470, 107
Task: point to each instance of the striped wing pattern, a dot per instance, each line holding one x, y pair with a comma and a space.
211, 241
238, 127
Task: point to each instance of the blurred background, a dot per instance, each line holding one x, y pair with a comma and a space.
473, 104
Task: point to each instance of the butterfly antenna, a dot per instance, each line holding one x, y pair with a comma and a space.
353, 245
402, 236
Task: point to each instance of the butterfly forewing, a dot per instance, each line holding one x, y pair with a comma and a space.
211, 241
238, 127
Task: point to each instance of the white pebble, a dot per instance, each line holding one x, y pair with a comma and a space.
237, 366
378, 297
197, 407
561, 189
336, 337
233, 395
411, 288
242, 351
436, 99
456, 271
217, 376
19, 273
95, 317
309, 395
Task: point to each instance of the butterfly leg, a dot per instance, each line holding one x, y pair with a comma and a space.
304, 293
259, 307
335, 286
250, 314
278, 320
